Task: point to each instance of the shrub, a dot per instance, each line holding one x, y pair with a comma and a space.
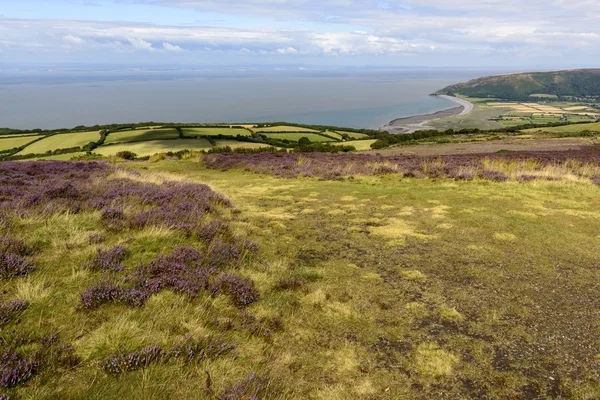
13, 265
108, 260
9, 310
241, 289
254, 387
126, 155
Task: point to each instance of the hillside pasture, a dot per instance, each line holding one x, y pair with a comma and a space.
61, 141
215, 131
140, 135
361, 145
354, 135
283, 128
7, 143
296, 136
151, 147
234, 144
333, 134
593, 127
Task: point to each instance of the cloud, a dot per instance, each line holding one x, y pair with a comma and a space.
73, 40
172, 48
141, 44
289, 50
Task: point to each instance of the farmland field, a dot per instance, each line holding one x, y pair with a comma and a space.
283, 128
360, 145
234, 144
594, 127
155, 146
215, 131
61, 141
139, 135
333, 134
58, 157
354, 134
296, 136
10, 142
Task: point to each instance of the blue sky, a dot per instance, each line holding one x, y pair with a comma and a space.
437, 33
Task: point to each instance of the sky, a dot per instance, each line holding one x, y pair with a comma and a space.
434, 33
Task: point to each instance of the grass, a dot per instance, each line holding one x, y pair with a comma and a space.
354, 135
283, 128
594, 127
386, 287
360, 145
139, 135
296, 136
11, 142
215, 131
151, 147
60, 157
61, 141
333, 134
234, 144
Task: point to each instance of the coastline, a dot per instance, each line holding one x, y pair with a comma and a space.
419, 122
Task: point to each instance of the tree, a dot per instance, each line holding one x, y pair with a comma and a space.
304, 141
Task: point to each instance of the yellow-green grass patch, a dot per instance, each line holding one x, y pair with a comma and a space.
354, 135
139, 135
283, 128
333, 134
151, 147
361, 145
296, 136
234, 144
568, 128
7, 143
215, 131
61, 141
58, 157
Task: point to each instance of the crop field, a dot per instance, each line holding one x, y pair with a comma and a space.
593, 127
360, 145
11, 142
61, 141
283, 128
296, 136
354, 134
302, 276
215, 131
139, 135
234, 144
155, 146
333, 134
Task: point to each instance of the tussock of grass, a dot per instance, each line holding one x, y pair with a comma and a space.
433, 362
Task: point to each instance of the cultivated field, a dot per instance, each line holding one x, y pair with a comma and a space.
594, 127
354, 134
215, 131
139, 135
155, 146
234, 144
283, 128
11, 142
297, 136
61, 141
360, 145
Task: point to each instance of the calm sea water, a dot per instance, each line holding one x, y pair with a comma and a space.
350, 98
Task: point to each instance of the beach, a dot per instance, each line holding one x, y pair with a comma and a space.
419, 122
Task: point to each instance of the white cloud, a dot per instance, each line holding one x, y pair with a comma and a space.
71, 40
141, 44
289, 50
172, 48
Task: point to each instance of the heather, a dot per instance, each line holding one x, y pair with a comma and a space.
168, 279
579, 164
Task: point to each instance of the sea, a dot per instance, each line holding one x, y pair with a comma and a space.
51, 97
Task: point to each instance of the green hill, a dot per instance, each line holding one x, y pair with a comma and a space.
582, 83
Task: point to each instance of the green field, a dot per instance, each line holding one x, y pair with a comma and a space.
234, 144
333, 134
360, 145
11, 142
594, 127
296, 136
139, 135
57, 157
154, 146
215, 131
354, 134
283, 128
61, 141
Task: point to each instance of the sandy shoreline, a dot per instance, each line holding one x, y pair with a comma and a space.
417, 122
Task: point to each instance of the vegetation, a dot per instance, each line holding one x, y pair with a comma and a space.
214, 131
150, 147
140, 135
582, 84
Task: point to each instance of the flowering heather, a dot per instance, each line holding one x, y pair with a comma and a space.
336, 166
96, 237
254, 387
107, 292
241, 289
108, 260
13, 265
188, 350
9, 310
14, 369
14, 246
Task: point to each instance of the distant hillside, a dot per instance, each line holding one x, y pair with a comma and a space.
573, 83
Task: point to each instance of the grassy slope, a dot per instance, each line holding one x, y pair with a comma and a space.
594, 127
151, 147
61, 141
141, 135
414, 288
296, 136
234, 144
360, 144
215, 131
283, 128
7, 143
